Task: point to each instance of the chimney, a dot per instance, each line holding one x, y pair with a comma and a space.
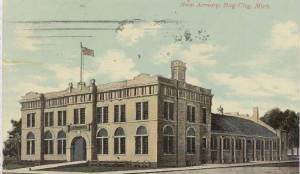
255, 113
178, 69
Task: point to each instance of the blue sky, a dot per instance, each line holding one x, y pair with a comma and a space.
250, 58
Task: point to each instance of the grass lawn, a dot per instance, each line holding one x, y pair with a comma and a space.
86, 168
15, 165
90, 169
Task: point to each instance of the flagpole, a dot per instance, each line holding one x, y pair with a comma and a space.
80, 62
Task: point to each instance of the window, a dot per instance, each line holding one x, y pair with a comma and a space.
238, 144
30, 144
258, 145
123, 112
213, 143
145, 110
168, 111
204, 115
48, 143
226, 143
190, 115
31, 120
138, 111
141, 111
79, 116
249, 145
62, 118
119, 141
190, 141
116, 113
141, 141
168, 140
61, 143
267, 145
274, 145
102, 142
48, 119
102, 114
203, 145
119, 113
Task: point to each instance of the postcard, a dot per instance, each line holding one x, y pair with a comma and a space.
181, 86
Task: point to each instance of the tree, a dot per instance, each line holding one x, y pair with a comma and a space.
288, 121
12, 146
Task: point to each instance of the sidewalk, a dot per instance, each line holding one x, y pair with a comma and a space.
204, 166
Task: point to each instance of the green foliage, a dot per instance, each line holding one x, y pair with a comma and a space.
286, 120
12, 146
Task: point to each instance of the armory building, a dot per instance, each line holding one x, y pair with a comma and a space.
148, 120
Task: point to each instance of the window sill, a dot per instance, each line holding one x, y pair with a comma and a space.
169, 154
190, 153
169, 120
102, 123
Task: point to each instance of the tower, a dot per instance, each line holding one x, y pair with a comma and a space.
178, 69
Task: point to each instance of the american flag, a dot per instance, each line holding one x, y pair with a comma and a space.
87, 51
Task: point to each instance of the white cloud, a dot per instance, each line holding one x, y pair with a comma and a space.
23, 39
244, 106
167, 52
195, 54
285, 35
193, 80
66, 74
199, 53
241, 106
230, 106
131, 33
116, 65
25, 87
258, 84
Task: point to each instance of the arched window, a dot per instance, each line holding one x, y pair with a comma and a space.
168, 140
102, 142
213, 143
190, 141
61, 142
141, 141
30, 144
226, 144
119, 141
48, 143
258, 144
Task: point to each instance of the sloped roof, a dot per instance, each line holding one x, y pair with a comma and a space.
237, 125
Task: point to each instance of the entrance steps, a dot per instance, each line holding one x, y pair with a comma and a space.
47, 166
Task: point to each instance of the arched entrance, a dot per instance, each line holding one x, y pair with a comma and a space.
78, 149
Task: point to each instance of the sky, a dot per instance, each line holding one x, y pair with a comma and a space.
247, 56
